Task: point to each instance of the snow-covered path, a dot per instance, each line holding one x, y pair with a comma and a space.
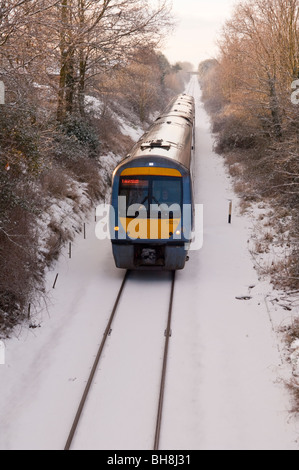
222, 384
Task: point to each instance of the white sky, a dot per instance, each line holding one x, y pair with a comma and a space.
199, 22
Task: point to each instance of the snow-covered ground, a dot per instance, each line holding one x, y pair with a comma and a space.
224, 387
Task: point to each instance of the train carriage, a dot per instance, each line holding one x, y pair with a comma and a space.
151, 220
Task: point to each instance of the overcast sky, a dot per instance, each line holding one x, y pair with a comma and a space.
199, 22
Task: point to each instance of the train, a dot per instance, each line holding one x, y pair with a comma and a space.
152, 206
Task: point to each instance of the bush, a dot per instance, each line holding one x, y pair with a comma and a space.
19, 266
55, 183
19, 137
234, 133
84, 133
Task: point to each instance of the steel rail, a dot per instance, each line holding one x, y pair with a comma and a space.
164, 368
94, 368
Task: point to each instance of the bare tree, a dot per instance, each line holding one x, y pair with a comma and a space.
75, 40
140, 83
101, 36
260, 56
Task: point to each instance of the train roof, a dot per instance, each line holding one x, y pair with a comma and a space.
170, 136
182, 106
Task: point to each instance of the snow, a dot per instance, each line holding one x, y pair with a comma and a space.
224, 387
124, 397
127, 128
134, 132
94, 104
295, 357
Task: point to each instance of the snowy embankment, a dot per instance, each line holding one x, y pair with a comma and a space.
64, 216
270, 249
224, 387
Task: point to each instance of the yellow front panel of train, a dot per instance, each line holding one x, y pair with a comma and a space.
151, 229
151, 171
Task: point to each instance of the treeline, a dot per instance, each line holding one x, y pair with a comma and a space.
69, 68
249, 91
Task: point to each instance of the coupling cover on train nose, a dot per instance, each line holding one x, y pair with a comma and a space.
149, 256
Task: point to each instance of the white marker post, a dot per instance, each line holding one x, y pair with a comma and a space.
2, 93
230, 211
2, 354
295, 95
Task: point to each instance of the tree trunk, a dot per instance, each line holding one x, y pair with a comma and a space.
82, 62
81, 85
70, 82
67, 69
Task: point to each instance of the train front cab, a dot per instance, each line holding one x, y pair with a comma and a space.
152, 217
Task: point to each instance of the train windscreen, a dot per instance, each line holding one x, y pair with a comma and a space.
136, 191
167, 191
148, 191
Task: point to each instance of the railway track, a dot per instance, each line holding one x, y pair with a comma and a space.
164, 368
87, 391
191, 87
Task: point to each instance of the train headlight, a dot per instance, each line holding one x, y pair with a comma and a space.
178, 232
116, 229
